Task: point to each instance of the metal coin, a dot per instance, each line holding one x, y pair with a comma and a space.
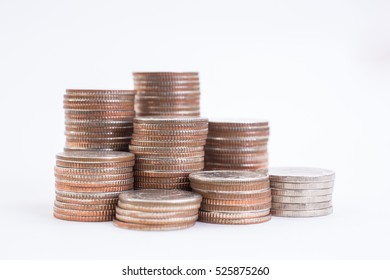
302, 214
152, 227
300, 174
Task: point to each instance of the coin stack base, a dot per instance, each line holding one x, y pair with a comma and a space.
88, 184
98, 119
157, 209
301, 191
167, 150
167, 94
232, 197
237, 145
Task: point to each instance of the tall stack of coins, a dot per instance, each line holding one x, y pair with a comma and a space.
167, 150
232, 197
167, 93
301, 191
88, 184
237, 145
98, 119
157, 209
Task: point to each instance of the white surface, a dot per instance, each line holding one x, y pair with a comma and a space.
319, 73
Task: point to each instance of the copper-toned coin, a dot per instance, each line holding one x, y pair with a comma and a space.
94, 165
230, 187
300, 174
215, 220
168, 96
303, 186
96, 146
83, 201
237, 159
83, 218
159, 155
163, 120
95, 141
180, 143
162, 174
301, 206
186, 132
89, 92
285, 192
95, 156
256, 150
235, 215
163, 180
116, 107
240, 203
234, 194
302, 214
160, 198
173, 167
165, 150
93, 178
92, 172
237, 124
93, 189
227, 177
152, 227
84, 207
223, 208
144, 137
156, 215
168, 161
301, 199
84, 213
86, 134
235, 166
98, 184
99, 123
81, 114
180, 186
188, 126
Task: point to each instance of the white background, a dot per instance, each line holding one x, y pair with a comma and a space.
318, 70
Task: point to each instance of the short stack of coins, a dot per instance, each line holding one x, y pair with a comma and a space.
167, 150
301, 191
98, 119
157, 209
237, 145
232, 197
88, 184
167, 93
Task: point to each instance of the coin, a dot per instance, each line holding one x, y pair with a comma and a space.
157, 221
177, 120
303, 186
143, 137
156, 215
152, 227
159, 208
93, 196
235, 202
94, 165
166, 161
235, 123
301, 199
160, 197
84, 207
304, 213
95, 156
82, 218
234, 194
230, 187
188, 132
235, 215
93, 189
94, 178
300, 174
301, 206
83, 213
161, 174
89, 184
248, 221
229, 177
92, 172
285, 192
84, 202
169, 143
224, 208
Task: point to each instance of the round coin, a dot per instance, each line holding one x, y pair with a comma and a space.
302, 214
152, 227
300, 174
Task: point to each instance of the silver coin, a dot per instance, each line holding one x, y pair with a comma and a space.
301, 206
95, 156
228, 176
302, 186
159, 208
300, 174
302, 214
160, 197
285, 192
301, 199
157, 221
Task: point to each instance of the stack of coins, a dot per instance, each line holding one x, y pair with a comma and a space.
233, 197
167, 93
157, 209
237, 145
98, 119
301, 191
88, 184
167, 150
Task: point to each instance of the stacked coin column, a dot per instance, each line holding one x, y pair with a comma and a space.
167, 150
88, 184
98, 119
237, 145
301, 191
232, 197
167, 93
157, 209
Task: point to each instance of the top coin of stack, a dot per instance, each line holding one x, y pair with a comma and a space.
167, 150
301, 191
237, 145
157, 209
167, 93
98, 119
232, 197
